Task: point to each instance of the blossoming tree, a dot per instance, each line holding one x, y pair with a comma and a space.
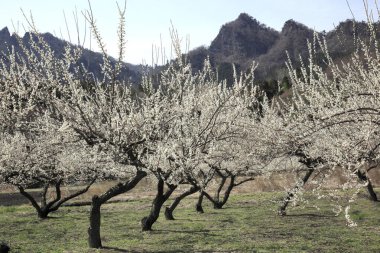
35, 149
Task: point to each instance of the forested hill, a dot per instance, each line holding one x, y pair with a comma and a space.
239, 42
91, 60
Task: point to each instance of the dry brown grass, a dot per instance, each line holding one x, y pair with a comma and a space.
146, 188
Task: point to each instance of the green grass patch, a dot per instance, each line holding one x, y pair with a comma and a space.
248, 223
8, 209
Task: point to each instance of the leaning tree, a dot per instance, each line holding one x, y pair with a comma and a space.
335, 113
199, 114
100, 118
209, 139
109, 114
36, 150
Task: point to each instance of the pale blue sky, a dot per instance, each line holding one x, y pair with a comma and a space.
147, 20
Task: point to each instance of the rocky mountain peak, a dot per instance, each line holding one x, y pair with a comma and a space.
4, 33
245, 19
294, 27
242, 38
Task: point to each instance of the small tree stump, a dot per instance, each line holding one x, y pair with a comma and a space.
4, 248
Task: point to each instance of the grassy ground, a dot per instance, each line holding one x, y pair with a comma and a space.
247, 224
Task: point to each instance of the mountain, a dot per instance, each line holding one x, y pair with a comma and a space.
238, 42
245, 40
91, 60
340, 41
292, 39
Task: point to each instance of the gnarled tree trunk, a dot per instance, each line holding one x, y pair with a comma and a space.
169, 210
290, 195
148, 221
198, 206
311, 164
94, 240
217, 202
46, 206
362, 176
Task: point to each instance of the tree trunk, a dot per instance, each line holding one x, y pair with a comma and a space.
362, 176
217, 203
43, 214
94, 239
371, 191
224, 179
46, 207
32, 201
291, 194
227, 193
198, 206
44, 195
148, 221
169, 210
4, 248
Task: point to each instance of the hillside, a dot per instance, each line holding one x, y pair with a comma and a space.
90, 59
238, 42
246, 39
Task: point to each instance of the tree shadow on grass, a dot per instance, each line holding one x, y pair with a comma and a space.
200, 231
222, 251
169, 251
182, 251
118, 249
49, 218
309, 215
190, 219
241, 206
190, 231
115, 249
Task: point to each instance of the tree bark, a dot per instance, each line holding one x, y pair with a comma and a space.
169, 210
32, 201
222, 183
362, 176
4, 248
148, 221
371, 191
46, 207
227, 193
216, 201
44, 195
71, 196
198, 206
94, 239
291, 194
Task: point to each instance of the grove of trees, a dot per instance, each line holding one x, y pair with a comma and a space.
59, 125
